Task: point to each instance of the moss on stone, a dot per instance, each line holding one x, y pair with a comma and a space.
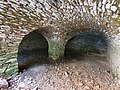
56, 50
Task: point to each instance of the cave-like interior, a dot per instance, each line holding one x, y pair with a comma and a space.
32, 50
88, 42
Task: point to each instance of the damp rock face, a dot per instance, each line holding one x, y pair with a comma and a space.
32, 50
59, 21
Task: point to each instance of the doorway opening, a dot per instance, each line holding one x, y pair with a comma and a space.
87, 43
32, 50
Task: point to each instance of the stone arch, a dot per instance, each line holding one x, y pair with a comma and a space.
32, 50
86, 42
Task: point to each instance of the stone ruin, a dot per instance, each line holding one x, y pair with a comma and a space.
57, 21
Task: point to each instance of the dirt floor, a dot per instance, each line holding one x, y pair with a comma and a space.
88, 73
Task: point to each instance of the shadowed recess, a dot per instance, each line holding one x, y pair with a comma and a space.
32, 50
88, 42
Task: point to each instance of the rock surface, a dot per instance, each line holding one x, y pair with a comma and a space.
89, 73
8, 66
22, 86
3, 83
67, 18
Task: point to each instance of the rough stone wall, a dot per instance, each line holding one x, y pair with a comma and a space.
66, 19
10, 40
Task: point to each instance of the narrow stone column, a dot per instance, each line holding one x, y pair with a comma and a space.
113, 57
56, 46
56, 42
56, 50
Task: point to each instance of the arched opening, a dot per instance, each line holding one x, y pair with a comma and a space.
87, 43
32, 50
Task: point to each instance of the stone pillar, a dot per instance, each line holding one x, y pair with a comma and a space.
56, 50
113, 51
56, 46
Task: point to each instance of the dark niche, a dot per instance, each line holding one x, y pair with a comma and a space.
88, 42
33, 50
